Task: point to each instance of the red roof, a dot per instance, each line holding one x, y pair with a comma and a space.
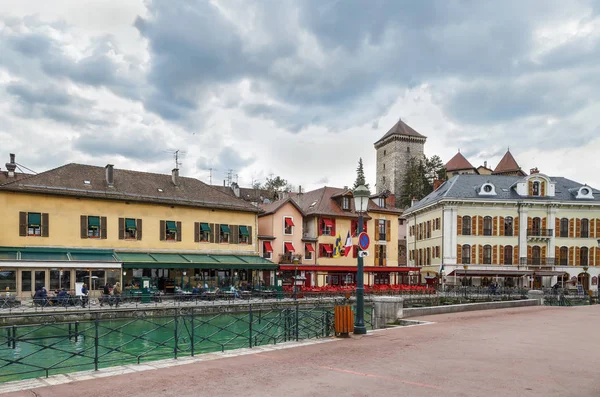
507, 164
458, 162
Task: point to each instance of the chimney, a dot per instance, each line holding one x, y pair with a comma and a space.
437, 183
175, 176
534, 171
345, 188
413, 201
11, 166
224, 183
236, 189
110, 177
485, 164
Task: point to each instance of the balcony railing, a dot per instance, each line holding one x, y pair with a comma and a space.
540, 232
537, 261
290, 259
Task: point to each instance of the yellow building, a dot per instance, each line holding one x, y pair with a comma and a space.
532, 231
328, 215
80, 223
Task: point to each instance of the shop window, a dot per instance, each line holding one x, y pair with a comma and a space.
8, 280
26, 281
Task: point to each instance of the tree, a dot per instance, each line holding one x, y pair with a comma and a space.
360, 176
419, 179
277, 185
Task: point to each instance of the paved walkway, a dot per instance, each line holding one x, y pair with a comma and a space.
536, 351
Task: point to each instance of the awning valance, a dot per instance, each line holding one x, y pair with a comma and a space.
225, 229
309, 247
268, 246
94, 222
49, 256
289, 222
289, 247
138, 260
130, 224
204, 227
328, 248
34, 219
172, 226
244, 231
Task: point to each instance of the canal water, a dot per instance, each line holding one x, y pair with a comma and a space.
49, 349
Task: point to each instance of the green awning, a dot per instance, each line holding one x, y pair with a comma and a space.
94, 222
134, 260
44, 256
34, 219
130, 224
92, 257
225, 229
204, 227
56, 254
171, 226
244, 231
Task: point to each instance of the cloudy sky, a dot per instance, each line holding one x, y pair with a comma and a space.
298, 88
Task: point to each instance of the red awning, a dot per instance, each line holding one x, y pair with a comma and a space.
328, 248
289, 247
268, 247
368, 269
289, 222
309, 247
328, 222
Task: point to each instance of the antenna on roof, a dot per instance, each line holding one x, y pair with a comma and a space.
210, 172
177, 154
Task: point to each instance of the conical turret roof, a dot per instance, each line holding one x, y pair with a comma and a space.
507, 164
401, 128
458, 162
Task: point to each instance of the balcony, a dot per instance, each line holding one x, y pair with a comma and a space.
539, 234
537, 262
290, 259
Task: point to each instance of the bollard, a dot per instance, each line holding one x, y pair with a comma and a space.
250, 327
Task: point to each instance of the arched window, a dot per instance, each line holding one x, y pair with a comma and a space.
536, 226
508, 255
536, 188
564, 255
487, 254
585, 228
487, 226
508, 226
564, 228
583, 256
466, 226
466, 254
536, 255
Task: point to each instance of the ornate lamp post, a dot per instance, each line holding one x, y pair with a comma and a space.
361, 203
466, 267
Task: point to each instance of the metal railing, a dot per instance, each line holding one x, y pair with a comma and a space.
524, 261
48, 347
290, 258
540, 232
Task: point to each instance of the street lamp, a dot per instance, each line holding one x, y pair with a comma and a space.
466, 267
361, 203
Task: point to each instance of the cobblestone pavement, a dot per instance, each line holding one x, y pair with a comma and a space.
533, 351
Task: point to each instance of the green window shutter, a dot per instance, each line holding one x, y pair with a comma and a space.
171, 226
84, 226
244, 231
179, 231
139, 229
121, 228
45, 225
205, 227
34, 219
22, 223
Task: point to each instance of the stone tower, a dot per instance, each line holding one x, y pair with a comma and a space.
394, 149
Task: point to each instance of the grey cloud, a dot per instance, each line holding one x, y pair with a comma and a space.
227, 159
138, 144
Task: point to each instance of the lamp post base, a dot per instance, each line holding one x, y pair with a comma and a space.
360, 330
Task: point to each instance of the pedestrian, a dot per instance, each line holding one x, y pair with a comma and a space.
84, 293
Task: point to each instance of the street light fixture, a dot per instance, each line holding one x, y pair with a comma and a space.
361, 204
466, 267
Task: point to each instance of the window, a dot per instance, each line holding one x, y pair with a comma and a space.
487, 254
288, 225
585, 228
508, 226
243, 235
381, 202
564, 255
536, 188
267, 250
536, 255
466, 226
381, 229
508, 255
487, 226
26, 281
466, 254
487, 188
327, 227
224, 234
34, 224
205, 231
564, 228
40, 279
536, 224
60, 279
583, 256
437, 223
308, 251
170, 231
8, 280
345, 203
326, 250
130, 229
428, 229
93, 226
383, 179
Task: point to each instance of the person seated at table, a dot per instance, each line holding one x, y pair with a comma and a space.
84, 293
41, 297
196, 290
63, 297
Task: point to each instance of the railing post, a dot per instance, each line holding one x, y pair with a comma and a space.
14, 336
8, 337
297, 322
96, 343
76, 330
250, 327
327, 323
192, 335
70, 332
175, 338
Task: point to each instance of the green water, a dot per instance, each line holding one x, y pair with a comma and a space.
51, 349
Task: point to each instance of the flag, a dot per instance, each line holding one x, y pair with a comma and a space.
348, 246
337, 250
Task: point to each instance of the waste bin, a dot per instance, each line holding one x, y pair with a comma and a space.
344, 320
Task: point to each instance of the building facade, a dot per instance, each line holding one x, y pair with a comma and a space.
80, 223
400, 144
531, 231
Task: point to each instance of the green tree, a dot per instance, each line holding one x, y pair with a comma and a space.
419, 179
277, 185
360, 175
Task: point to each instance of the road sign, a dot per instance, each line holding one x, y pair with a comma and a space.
362, 254
363, 241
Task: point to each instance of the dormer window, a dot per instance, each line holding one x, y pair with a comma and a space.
345, 203
381, 202
584, 192
487, 189
536, 189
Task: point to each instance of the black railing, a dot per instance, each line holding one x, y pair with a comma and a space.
537, 261
290, 258
540, 232
46, 347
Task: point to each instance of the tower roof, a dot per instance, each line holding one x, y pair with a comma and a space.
458, 162
401, 129
507, 164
